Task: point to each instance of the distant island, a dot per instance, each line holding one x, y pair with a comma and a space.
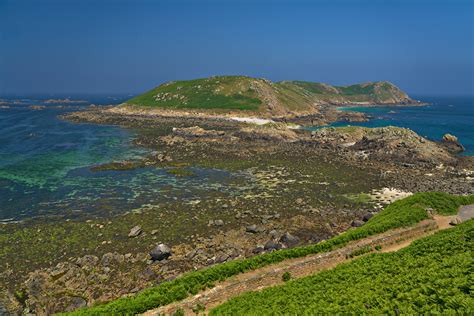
230, 93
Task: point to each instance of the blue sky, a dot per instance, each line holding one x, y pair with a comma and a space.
113, 46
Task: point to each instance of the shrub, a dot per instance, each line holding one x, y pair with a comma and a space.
286, 276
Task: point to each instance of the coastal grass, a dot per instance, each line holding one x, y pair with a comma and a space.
227, 93
402, 213
431, 276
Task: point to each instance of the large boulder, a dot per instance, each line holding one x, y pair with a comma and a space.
289, 240
272, 245
160, 252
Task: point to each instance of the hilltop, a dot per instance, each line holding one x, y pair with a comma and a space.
240, 93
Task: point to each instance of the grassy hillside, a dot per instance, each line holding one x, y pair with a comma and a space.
260, 95
433, 275
402, 213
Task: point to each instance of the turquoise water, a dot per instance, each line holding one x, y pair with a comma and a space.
45, 161
45, 166
454, 115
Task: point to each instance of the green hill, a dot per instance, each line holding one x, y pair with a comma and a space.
226, 93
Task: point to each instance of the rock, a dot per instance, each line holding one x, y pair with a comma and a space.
135, 231
160, 252
218, 222
3, 310
455, 221
367, 216
272, 245
452, 144
154, 232
87, 261
289, 239
357, 223
259, 249
274, 234
197, 132
76, 302
148, 274
450, 138
251, 229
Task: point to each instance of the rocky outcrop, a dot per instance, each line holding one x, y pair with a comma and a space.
451, 143
396, 144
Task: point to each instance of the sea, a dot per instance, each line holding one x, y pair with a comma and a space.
442, 115
45, 161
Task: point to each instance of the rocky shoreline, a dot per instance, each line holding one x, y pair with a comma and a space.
328, 181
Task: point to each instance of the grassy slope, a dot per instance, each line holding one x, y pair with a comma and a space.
245, 93
433, 275
406, 212
211, 93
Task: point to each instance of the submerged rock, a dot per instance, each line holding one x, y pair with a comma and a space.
160, 252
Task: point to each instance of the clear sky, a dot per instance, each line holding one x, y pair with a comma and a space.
113, 46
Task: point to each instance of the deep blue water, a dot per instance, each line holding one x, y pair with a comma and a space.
454, 115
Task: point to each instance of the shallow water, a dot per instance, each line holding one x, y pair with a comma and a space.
454, 115
45, 167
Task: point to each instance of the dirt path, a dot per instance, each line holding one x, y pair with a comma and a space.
272, 275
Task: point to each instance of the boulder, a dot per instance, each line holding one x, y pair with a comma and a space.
273, 233
218, 222
259, 249
455, 221
367, 216
357, 223
76, 303
135, 231
251, 229
160, 252
452, 144
289, 240
272, 245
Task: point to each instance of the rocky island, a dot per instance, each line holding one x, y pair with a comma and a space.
301, 188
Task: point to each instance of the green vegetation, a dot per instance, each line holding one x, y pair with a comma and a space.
251, 94
228, 92
359, 252
286, 276
181, 172
359, 198
402, 213
431, 276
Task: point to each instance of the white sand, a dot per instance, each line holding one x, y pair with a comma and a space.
253, 120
